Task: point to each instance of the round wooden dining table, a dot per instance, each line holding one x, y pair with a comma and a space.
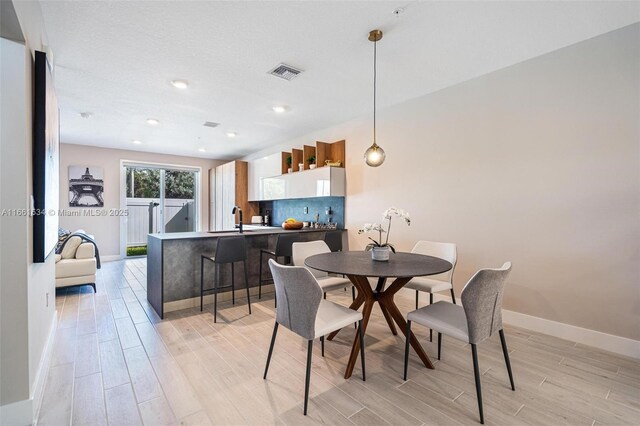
358, 266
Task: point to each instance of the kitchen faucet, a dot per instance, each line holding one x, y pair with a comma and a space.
239, 210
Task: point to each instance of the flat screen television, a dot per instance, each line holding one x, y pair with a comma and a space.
46, 163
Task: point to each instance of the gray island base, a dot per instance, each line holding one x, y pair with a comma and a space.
173, 264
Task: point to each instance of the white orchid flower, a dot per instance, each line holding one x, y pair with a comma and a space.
371, 227
394, 211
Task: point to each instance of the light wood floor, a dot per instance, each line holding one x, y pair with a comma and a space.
115, 362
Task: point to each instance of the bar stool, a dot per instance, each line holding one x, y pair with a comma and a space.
333, 240
283, 249
228, 250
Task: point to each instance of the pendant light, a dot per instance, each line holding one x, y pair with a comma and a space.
374, 156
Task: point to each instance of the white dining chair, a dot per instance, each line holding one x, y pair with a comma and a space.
434, 283
479, 317
300, 252
302, 310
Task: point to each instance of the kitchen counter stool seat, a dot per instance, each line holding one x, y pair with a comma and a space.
283, 249
228, 250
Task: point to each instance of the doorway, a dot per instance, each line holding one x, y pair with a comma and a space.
158, 199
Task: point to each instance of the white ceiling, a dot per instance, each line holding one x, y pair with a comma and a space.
116, 59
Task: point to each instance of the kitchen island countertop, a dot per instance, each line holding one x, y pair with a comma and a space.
268, 230
174, 263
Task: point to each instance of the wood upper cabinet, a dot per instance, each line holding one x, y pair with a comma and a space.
232, 186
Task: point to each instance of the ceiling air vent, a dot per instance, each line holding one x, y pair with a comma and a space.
210, 124
285, 71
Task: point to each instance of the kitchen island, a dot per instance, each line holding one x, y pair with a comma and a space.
173, 264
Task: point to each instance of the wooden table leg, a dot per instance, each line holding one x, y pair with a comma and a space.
385, 312
364, 291
386, 299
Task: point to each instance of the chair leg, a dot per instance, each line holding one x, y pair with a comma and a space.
439, 344
246, 283
406, 348
94, 287
430, 330
308, 378
325, 294
353, 293
273, 341
417, 297
476, 372
453, 296
215, 294
322, 345
201, 282
364, 377
505, 351
233, 284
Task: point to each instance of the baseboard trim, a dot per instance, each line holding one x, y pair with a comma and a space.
177, 305
43, 369
608, 342
110, 258
597, 339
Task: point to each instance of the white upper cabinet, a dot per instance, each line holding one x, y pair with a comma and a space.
262, 168
320, 182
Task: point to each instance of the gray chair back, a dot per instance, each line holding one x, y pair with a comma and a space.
333, 240
482, 302
231, 249
298, 295
284, 242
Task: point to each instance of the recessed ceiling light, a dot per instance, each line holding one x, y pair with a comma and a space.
279, 109
152, 122
231, 134
136, 141
202, 150
180, 84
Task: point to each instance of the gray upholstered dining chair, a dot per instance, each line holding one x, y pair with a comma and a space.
434, 283
300, 251
302, 310
479, 317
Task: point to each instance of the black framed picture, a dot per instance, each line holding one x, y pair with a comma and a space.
46, 160
86, 185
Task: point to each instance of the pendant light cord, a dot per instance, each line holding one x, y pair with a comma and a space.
375, 43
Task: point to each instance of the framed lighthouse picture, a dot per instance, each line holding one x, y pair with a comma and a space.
86, 185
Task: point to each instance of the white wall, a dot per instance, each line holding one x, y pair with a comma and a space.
106, 229
537, 163
27, 302
13, 157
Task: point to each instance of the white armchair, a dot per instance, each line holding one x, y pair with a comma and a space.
76, 264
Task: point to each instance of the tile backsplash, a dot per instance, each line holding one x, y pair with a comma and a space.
283, 209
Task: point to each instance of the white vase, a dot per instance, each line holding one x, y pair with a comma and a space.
380, 254
312, 166
300, 167
289, 170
